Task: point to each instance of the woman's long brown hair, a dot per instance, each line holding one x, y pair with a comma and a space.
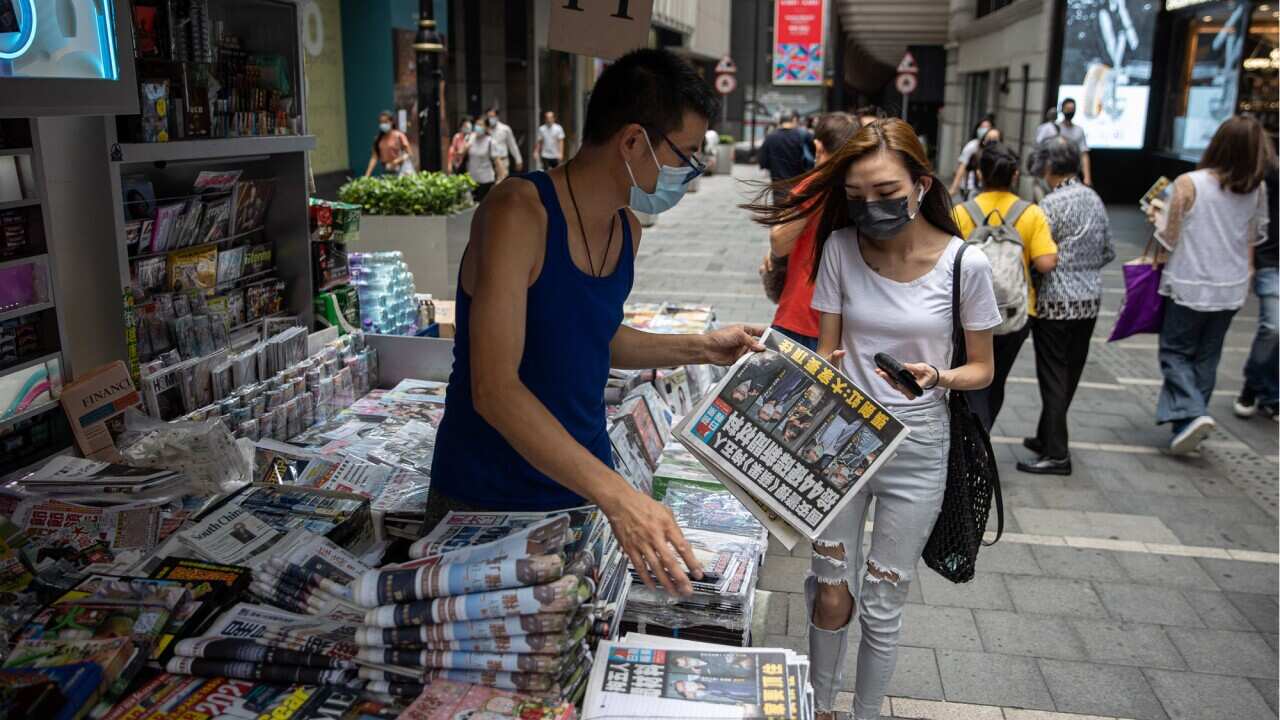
1239, 153
820, 192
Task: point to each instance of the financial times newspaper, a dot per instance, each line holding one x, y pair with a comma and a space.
797, 435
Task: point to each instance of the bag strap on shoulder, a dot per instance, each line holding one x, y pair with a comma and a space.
1015, 211
958, 350
975, 213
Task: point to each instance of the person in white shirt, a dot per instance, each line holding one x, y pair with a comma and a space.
889, 258
1217, 214
963, 169
550, 144
1049, 127
505, 148
480, 151
1075, 134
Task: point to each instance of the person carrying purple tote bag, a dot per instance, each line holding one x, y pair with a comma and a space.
1143, 307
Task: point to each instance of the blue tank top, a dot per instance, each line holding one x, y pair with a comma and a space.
570, 319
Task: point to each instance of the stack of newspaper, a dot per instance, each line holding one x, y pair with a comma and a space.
653, 677
446, 700
263, 643
503, 600
790, 437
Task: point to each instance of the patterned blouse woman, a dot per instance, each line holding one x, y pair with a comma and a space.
1067, 299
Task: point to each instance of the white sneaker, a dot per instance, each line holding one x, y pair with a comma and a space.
1191, 435
1245, 406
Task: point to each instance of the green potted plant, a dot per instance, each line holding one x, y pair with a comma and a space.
426, 216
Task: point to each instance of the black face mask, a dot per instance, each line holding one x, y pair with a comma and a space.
880, 219
1068, 115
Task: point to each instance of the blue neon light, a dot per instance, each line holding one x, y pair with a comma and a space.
26, 35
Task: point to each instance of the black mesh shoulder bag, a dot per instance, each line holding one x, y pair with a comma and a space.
973, 479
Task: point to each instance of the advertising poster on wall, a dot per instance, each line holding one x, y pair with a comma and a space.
1106, 68
798, 48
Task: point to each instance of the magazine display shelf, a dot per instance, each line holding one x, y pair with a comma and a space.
47, 315
269, 27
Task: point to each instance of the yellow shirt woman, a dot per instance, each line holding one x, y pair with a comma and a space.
1037, 240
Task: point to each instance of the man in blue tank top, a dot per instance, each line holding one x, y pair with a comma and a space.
540, 295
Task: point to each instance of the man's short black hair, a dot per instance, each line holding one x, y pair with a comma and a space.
998, 163
1068, 100
651, 87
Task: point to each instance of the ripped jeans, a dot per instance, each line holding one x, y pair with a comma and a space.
908, 490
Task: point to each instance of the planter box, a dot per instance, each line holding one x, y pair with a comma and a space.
432, 246
724, 159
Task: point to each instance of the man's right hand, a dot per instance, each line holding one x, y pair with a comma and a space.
647, 531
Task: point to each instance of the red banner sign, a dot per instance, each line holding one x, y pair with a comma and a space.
798, 42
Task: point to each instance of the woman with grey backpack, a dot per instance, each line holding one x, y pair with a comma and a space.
1015, 237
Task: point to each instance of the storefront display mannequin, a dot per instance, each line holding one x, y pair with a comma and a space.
540, 296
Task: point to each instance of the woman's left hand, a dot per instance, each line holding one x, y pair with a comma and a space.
922, 372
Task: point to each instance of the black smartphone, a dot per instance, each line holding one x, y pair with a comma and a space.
900, 374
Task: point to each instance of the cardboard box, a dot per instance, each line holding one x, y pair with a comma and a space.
446, 317
95, 406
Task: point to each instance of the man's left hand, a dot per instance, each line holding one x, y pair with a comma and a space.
726, 345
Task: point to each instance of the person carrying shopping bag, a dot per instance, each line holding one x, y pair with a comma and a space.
1216, 215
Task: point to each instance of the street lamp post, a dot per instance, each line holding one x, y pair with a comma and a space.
430, 49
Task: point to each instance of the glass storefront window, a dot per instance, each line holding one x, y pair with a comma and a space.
1204, 89
1260, 78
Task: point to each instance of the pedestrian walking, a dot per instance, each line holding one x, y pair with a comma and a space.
1067, 299
1260, 393
1214, 217
481, 160
550, 145
458, 147
887, 244
391, 148
964, 170
1049, 127
783, 152
1069, 130
791, 245
997, 206
506, 151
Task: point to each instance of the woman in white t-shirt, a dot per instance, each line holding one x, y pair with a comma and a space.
887, 245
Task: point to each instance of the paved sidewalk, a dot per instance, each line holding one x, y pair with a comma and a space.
1144, 586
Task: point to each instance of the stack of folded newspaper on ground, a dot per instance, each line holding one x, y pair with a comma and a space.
657, 678
503, 600
446, 700
790, 437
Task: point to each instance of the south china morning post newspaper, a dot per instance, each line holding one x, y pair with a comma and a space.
793, 432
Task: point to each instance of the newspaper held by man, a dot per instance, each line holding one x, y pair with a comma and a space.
787, 427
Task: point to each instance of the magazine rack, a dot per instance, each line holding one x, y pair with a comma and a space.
90, 204
32, 310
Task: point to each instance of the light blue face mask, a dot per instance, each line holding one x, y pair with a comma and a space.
671, 186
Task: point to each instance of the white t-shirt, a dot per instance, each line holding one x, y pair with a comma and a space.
550, 137
480, 159
909, 321
967, 151
1046, 131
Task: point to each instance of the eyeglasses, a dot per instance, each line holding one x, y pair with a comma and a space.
696, 164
